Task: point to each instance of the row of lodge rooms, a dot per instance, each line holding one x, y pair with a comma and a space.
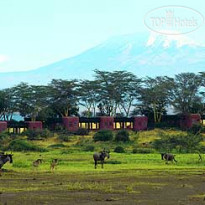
98, 123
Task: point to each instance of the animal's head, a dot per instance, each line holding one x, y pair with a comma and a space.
9, 157
162, 155
106, 153
55, 161
39, 161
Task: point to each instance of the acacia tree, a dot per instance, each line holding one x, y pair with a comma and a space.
63, 97
118, 91
199, 105
7, 104
107, 101
154, 97
2, 104
89, 95
185, 92
128, 90
30, 99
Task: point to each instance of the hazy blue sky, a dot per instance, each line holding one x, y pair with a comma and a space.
34, 33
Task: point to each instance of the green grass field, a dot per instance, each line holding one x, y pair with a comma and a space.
127, 178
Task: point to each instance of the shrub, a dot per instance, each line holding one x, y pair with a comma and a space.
37, 134
64, 138
59, 127
31, 134
197, 129
202, 149
56, 146
119, 149
82, 131
122, 135
134, 151
65, 132
4, 137
22, 145
182, 143
103, 135
45, 133
89, 148
142, 150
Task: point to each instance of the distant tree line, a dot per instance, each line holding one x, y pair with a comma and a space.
117, 93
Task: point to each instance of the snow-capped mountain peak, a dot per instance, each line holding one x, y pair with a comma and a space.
142, 54
167, 40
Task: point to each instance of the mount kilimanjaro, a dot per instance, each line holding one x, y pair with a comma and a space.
142, 54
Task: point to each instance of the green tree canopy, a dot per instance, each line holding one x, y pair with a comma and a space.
63, 97
184, 95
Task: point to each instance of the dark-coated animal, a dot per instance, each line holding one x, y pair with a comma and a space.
100, 157
200, 158
5, 158
54, 164
168, 157
37, 162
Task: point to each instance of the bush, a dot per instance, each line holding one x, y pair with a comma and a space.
134, 151
59, 127
22, 145
4, 137
142, 150
45, 133
89, 148
119, 149
122, 135
82, 131
103, 135
181, 143
202, 149
64, 138
38, 134
65, 132
197, 129
56, 146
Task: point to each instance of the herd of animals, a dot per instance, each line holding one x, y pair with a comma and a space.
97, 157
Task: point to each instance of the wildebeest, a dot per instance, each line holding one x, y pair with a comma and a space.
100, 157
168, 157
200, 157
37, 162
5, 158
54, 164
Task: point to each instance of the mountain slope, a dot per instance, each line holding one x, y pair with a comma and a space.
142, 54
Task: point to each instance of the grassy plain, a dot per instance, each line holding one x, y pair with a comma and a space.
127, 178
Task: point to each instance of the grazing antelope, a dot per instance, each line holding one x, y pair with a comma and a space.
100, 157
37, 162
54, 164
5, 158
168, 157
